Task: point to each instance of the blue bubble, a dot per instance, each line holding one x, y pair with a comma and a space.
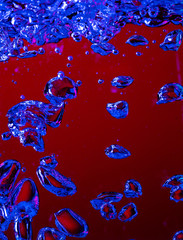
118, 109
128, 212
137, 40
78, 226
170, 92
172, 41
178, 235
117, 152
133, 189
55, 182
122, 81
108, 211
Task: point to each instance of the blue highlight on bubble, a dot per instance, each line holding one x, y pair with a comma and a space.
170, 92
117, 152
133, 189
172, 41
55, 182
118, 109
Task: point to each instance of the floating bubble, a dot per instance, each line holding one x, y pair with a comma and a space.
103, 48
176, 194
70, 58
49, 161
122, 81
118, 109
27, 120
137, 40
41, 51
106, 197
57, 50
174, 181
9, 171
78, 83
55, 182
60, 74
128, 212
6, 136
178, 235
172, 41
108, 211
23, 228
100, 81
117, 152
139, 53
133, 189
50, 234
70, 223
25, 199
170, 92
57, 90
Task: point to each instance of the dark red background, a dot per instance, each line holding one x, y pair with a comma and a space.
152, 133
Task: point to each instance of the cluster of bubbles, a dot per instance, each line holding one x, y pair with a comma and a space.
28, 120
103, 202
20, 203
49, 21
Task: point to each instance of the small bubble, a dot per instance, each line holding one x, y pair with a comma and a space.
100, 81
68, 65
67, 125
41, 51
57, 50
153, 41
60, 74
138, 53
70, 58
115, 51
124, 55
87, 52
23, 169
22, 97
79, 83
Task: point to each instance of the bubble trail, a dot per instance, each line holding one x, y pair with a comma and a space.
106, 197
70, 223
23, 229
178, 235
133, 189
48, 233
122, 81
49, 161
170, 92
9, 171
25, 199
117, 152
174, 181
55, 182
108, 211
137, 40
128, 212
172, 41
118, 109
